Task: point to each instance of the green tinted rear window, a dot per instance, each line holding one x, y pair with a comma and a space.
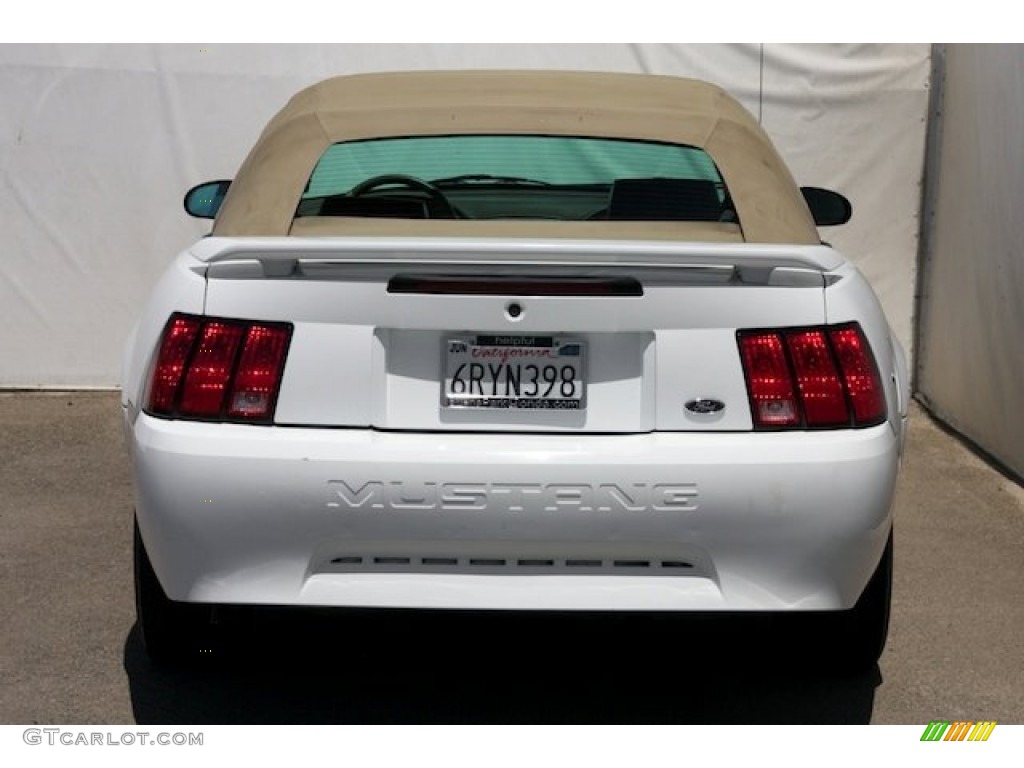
551, 159
565, 178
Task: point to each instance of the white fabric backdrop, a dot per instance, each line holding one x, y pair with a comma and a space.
971, 366
98, 144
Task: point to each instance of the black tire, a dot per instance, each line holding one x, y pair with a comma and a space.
171, 631
852, 641
867, 625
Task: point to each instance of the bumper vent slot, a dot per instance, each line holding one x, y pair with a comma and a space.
443, 561
392, 563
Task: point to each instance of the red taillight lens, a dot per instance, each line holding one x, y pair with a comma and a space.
860, 374
811, 378
259, 372
211, 368
170, 364
820, 389
769, 381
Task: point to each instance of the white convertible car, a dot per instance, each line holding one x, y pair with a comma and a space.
517, 341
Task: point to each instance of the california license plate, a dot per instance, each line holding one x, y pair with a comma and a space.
514, 372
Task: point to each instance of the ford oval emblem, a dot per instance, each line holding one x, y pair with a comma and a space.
704, 406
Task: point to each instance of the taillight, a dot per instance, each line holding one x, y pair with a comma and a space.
259, 372
860, 374
769, 381
218, 369
210, 369
179, 335
817, 379
811, 378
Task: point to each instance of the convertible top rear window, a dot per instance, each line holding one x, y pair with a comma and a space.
516, 177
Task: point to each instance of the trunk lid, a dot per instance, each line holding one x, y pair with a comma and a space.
622, 335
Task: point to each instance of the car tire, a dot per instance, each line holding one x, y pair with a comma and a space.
854, 640
171, 631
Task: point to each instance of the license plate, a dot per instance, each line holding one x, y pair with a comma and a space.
514, 373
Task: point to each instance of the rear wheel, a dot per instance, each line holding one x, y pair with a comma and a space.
171, 631
852, 641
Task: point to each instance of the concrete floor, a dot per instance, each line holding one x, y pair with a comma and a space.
69, 652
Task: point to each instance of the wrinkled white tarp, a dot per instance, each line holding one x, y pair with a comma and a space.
971, 358
99, 143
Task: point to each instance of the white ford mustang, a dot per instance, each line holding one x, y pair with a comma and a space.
515, 341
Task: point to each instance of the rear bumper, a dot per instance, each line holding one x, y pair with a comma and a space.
653, 522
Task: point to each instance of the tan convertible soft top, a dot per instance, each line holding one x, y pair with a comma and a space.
264, 194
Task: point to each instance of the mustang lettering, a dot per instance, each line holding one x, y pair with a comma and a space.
513, 497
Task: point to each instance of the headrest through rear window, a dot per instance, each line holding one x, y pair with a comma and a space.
378, 208
664, 200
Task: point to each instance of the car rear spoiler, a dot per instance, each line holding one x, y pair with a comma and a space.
479, 252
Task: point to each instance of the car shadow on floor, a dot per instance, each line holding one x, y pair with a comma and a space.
386, 667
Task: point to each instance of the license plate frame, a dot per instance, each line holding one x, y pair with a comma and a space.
557, 381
